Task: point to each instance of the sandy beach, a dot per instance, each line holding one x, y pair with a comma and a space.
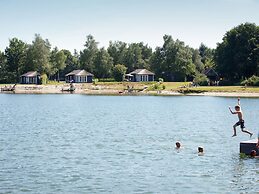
91, 89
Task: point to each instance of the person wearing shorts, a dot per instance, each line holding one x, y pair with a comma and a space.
241, 121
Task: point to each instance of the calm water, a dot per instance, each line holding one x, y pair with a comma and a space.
123, 144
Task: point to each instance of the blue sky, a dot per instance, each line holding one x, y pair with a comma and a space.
66, 23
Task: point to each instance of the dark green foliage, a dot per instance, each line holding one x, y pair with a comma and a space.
15, 59
57, 59
3, 71
237, 56
119, 71
173, 61
88, 55
197, 60
206, 55
38, 56
71, 62
225, 82
117, 50
103, 64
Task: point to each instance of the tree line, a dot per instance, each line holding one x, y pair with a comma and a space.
236, 58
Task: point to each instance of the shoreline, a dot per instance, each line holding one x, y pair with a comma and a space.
90, 89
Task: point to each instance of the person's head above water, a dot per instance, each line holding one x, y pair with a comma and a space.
178, 144
200, 149
253, 153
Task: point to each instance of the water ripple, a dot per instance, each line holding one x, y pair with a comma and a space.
100, 144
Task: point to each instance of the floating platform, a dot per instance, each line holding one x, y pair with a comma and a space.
247, 146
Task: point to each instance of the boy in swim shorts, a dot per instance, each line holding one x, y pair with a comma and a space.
241, 121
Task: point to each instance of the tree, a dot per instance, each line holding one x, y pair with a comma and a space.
117, 50
137, 56
206, 54
58, 59
38, 58
87, 56
119, 71
197, 61
71, 63
173, 62
3, 71
103, 64
146, 53
237, 56
15, 55
158, 63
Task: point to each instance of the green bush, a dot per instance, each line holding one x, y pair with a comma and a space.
44, 79
252, 81
119, 72
95, 81
106, 80
226, 83
157, 86
201, 79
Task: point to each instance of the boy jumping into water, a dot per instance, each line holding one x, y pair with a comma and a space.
241, 121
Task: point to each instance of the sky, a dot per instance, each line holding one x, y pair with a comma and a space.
66, 23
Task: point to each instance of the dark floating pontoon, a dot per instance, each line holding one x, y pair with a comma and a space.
247, 146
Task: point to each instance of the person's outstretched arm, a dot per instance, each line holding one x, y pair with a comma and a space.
238, 101
232, 111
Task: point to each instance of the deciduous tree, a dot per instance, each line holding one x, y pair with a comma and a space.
103, 64
119, 71
15, 55
3, 71
87, 56
58, 59
38, 58
173, 62
237, 56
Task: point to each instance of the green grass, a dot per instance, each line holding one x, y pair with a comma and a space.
175, 86
51, 82
124, 85
226, 89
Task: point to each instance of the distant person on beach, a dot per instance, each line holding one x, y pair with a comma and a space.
241, 121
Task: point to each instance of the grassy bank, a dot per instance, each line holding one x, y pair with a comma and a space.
176, 86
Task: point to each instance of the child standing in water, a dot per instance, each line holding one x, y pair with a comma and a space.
241, 121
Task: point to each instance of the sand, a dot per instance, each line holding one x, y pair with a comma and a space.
91, 89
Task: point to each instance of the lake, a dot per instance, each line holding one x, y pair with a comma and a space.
124, 144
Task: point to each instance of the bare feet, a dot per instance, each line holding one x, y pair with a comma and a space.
234, 135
